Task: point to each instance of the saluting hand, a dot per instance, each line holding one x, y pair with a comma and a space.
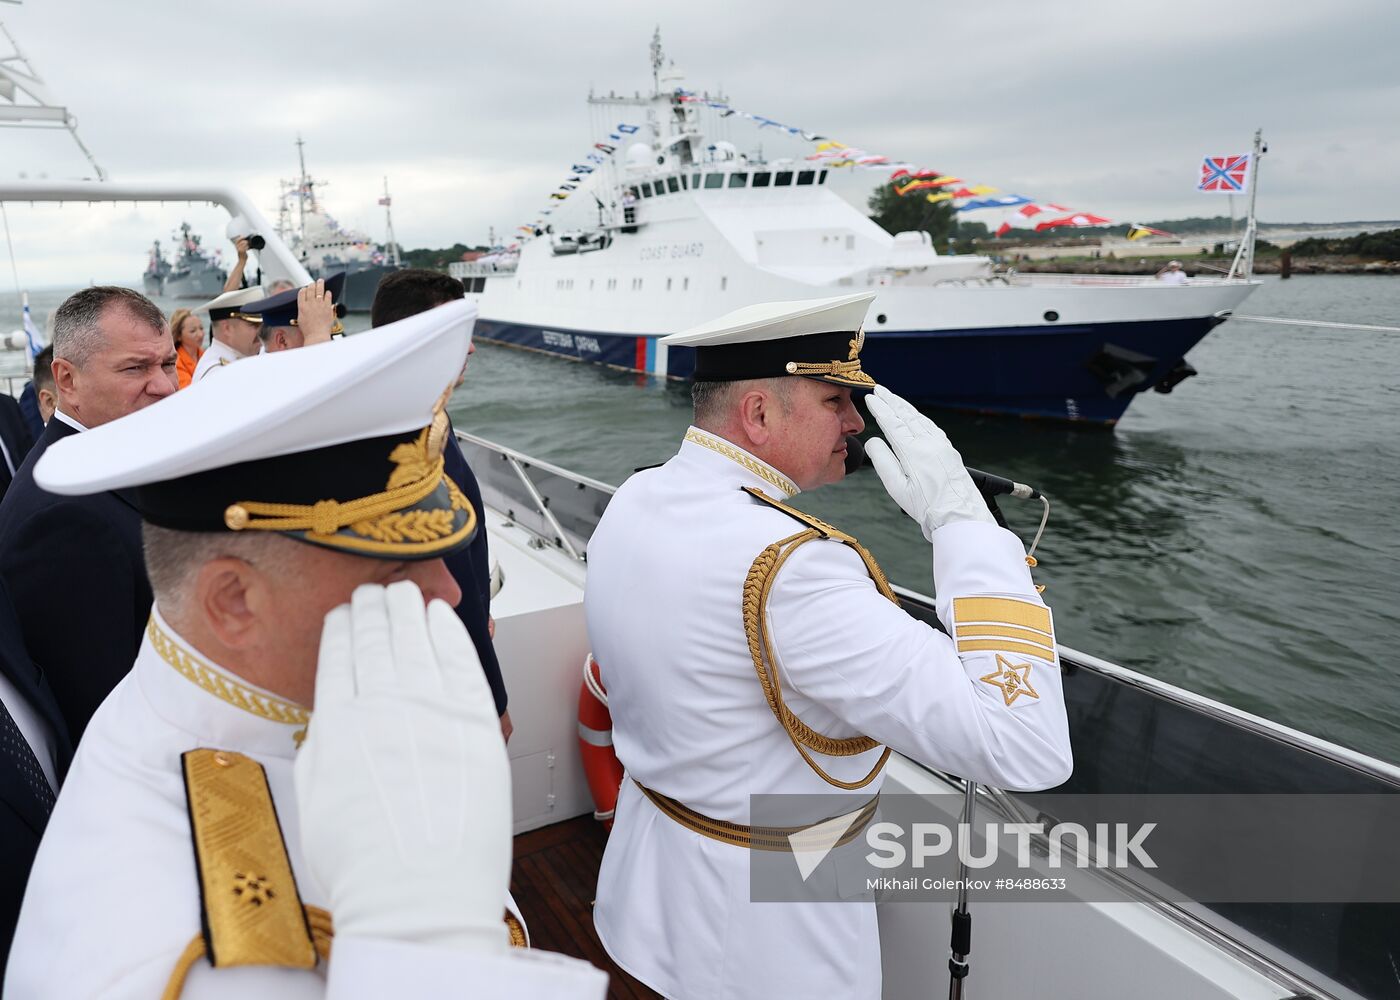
402, 784
315, 312
924, 472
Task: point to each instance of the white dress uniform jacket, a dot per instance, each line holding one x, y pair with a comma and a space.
114, 899
667, 566
215, 357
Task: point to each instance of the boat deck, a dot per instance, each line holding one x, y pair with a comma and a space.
553, 882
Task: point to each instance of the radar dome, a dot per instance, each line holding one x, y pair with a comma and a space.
639, 156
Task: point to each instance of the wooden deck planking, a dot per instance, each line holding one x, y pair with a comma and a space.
554, 881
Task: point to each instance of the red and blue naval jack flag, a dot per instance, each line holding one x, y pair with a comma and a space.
1224, 174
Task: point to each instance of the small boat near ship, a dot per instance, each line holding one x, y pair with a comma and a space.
682, 224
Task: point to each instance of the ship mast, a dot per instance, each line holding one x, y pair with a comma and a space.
389, 226
1243, 264
656, 60
39, 110
306, 188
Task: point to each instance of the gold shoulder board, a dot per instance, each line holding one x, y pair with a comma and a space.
252, 913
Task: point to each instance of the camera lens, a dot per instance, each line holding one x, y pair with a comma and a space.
256, 242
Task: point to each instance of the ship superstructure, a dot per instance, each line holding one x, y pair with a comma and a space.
683, 222
326, 247
193, 273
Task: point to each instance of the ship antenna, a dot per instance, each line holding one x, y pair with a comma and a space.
656, 60
306, 189
389, 226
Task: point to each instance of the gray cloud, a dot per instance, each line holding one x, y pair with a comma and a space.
475, 111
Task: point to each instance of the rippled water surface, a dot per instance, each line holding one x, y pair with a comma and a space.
1239, 537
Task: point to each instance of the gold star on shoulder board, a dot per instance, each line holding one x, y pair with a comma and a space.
1014, 679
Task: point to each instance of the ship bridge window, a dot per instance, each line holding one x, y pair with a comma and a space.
738, 180
821, 177
762, 179
673, 185
783, 178
684, 185
695, 182
806, 176
646, 189
714, 181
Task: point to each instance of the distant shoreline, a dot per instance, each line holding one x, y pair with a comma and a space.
1197, 268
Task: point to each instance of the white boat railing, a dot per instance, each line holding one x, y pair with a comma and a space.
275, 259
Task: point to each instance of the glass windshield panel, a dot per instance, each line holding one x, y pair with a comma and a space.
782, 178
762, 179
737, 180
806, 176
673, 184
714, 180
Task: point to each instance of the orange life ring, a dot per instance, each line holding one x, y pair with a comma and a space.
600, 764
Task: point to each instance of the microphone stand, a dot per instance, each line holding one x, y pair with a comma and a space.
960, 940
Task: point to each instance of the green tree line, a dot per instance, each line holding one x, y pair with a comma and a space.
1377, 246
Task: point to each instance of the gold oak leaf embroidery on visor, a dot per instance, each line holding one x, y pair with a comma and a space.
1014, 680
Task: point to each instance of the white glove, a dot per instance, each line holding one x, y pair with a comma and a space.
403, 782
924, 473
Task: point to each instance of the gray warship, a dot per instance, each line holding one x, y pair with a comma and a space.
195, 274
157, 267
326, 248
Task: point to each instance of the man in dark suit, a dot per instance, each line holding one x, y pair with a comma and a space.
36, 402
15, 440
406, 293
73, 565
34, 755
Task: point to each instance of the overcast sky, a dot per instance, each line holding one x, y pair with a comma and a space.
474, 111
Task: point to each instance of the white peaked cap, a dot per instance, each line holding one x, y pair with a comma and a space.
233, 299
387, 381
778, 321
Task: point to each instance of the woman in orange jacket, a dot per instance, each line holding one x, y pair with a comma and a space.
188, 332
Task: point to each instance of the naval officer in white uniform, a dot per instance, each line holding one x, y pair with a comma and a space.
234, 333
740, 660
213, 839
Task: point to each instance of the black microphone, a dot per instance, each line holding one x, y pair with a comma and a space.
855, 454
990, 485
986, 483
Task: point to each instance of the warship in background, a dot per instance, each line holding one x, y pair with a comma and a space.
194, 274
687, 226
326, 248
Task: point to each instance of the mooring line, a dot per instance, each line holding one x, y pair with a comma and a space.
1318, 322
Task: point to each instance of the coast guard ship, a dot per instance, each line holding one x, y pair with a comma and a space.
683, 225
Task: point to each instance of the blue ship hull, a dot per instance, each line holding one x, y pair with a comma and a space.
1087, 373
